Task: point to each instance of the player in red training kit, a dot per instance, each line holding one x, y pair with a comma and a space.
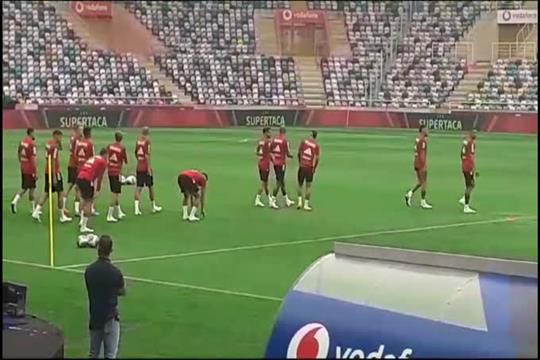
89, 178
27, 158
309, 153
280, 150
76, 136
192, 184
468, 166
53, 148
117, 158
420, 167
145, 176
84, 150
264, 154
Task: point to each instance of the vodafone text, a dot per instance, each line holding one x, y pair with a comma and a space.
350, 353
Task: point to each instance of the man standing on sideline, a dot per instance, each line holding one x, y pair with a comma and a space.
26, 153
104, 283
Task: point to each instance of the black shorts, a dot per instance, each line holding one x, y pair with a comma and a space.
469, 178
144, 179
72, 175
264, 174
115, 184
305, 174
187, 185
28, 182
86, 189
279, 170
59, 184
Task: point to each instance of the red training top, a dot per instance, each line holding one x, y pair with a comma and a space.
196, 176
117, 158
93, 169
27, 156
468, 152
52, 151
420, 153
264, 149
72, 151
309, 152
84, 150
142, 153
280, 149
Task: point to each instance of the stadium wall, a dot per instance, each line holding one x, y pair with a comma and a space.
61, 116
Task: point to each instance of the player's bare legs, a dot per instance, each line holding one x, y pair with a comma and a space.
137, 200
195, 201
465, 200
151, 194
115, 204
36, 214
77, 204
280, 185
307, 197
186, 206
19, 195
263, 189
422, 185
85, 215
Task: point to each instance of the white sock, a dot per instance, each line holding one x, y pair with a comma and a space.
409, 194
84, 221
137, 209
64, 202
119, 209
16, 199
287, 198
110, 212
306, 203
37, 209
423, 201
193, 212
270, 198
300, 200
33, 205
62, 214
154, 203
77, 207
258, 197
93, 208
184, 211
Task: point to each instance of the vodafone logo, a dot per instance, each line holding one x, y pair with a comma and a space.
311, 341
506, 15
79, 7
286, 15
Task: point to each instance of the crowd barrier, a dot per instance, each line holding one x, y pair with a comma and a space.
166, 116
369, 302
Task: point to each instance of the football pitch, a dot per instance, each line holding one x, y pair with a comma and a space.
213, 289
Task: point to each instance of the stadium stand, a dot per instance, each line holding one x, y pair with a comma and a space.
509, 85
44, 61
212, 52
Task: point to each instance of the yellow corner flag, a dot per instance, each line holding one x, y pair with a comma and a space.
51, 222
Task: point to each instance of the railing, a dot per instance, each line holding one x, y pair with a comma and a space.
499, 106
513, 50
524, 33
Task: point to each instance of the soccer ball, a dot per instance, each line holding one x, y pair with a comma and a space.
87, 241
128, 180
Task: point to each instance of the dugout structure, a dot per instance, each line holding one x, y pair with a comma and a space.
373, 302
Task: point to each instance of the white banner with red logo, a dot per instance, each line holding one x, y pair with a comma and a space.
92, 9
292, 17
521, 16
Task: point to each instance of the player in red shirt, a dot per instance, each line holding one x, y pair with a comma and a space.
280, 150
145, 175
192, 184
84, 150
27, 158
420, 167
309, 153
264, 154
53, 148
89, 178
117, 156
468, 166
72, 166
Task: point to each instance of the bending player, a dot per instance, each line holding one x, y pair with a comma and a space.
192, 184
264, 154
72, 167
26, 153
420, 167
117, 158
90, 176
468, 166
309, 153
280, 150
84, 149
53, 148
145, 176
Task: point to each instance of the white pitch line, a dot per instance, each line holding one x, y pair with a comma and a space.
157, 282
300, 242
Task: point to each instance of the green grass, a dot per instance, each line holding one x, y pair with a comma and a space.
358, 189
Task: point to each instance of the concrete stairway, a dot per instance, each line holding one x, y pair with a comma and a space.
164, 80
337, 35
311, 80
265, 33
469, 83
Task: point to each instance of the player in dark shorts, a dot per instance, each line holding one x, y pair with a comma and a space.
265, 158
27, 153
309, 153
420, 168
192, 184
468, 167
